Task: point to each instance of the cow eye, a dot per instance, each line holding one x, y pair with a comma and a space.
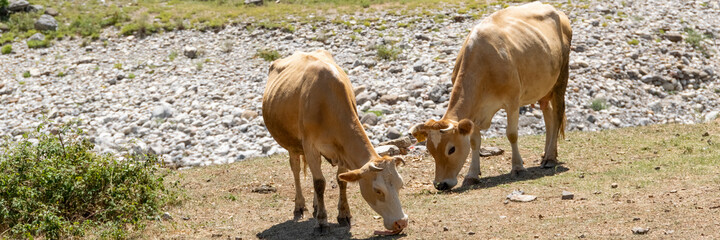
451, 151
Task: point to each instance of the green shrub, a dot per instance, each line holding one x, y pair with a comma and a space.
38, 43
268, 55
4, 4
633, 42
388, 52
131, 76
598, 104
26, 74
53, 186
7, 49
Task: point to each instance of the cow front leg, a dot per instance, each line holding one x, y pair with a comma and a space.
299, 198
319, 212
344, 215
513, 115
473, 175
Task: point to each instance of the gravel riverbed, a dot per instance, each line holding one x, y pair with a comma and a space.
633, 63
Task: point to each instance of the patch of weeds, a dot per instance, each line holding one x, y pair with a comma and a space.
131, 76
288, 28
388, 52
61, 74
604, 24
38, 43
199, 66
353, 37
404, 25
633, 42
696, 40
53, 186
231, 197
26, 74
7, 49
118, 66
268, 54
598, 104
172, 56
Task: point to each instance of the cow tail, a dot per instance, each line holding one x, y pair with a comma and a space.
558, 99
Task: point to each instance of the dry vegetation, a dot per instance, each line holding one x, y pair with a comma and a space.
668, 180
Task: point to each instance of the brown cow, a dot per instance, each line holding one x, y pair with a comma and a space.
516, 56
309, 108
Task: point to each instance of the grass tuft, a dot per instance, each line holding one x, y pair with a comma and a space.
388, 52
268, 54
598, 104
7, 49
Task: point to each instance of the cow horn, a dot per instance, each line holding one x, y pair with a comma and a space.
450, 127
375, 168
399, 159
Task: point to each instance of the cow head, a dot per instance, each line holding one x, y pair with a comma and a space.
448, 142
379, 185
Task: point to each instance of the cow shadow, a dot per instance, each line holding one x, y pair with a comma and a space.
531, 174
306, 230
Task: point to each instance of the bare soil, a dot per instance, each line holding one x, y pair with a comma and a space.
668, 181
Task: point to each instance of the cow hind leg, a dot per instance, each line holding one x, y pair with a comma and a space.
344, 215
558, 112
319, 212
513, 115
549, 158
295, 165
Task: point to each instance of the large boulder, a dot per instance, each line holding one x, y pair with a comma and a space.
18, 5
36, 37
46, 22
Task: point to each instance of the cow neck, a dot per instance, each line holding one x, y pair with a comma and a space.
460, 105
358, 149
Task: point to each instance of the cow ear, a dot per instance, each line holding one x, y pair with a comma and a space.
418, 132
465, 127
351, 176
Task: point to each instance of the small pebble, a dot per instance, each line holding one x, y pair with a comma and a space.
614, 185
640, 230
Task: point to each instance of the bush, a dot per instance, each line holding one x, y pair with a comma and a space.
53, 186
268, 55
26, 74
387, 52
7, 49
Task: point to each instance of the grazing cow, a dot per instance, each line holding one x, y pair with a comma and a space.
516, 56
309, 108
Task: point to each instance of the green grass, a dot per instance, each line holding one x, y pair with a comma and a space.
26, 74
268, 54
388, 52
598, 104
131, 76
118, 66
7, 49
87, 18
53, 186
61, 74
633, 42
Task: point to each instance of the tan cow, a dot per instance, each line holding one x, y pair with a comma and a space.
514, 57
309, 108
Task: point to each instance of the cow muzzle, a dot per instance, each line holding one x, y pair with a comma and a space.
401, 224
445, 185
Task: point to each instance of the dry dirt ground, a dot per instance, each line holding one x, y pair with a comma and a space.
668, 180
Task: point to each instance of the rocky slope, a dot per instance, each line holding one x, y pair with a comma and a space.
633, 63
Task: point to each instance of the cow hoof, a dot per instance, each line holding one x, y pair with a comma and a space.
518, 172
299, 214
344, 221
469, 181
321, 230
548, 163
